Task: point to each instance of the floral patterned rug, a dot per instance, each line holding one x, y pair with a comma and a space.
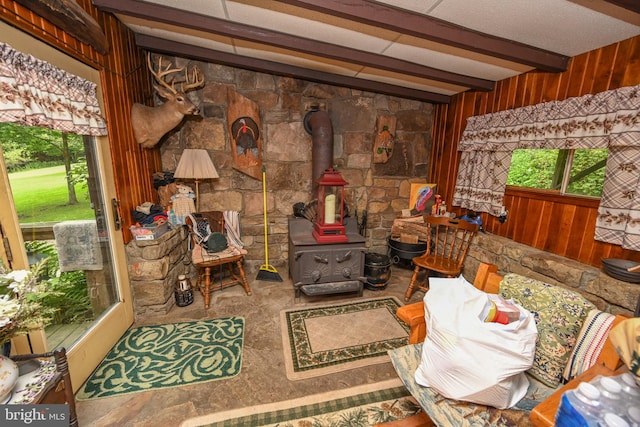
365, 405
319, 340
169, 355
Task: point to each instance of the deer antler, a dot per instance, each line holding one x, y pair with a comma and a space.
161, 73
197, 79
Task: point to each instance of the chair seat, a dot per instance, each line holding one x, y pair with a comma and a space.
201, 256
438, 263
211, 278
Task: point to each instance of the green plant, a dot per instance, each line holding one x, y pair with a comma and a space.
545, 169
68, 293
22, 306
79, 173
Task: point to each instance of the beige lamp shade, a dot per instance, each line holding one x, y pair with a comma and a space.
195, 164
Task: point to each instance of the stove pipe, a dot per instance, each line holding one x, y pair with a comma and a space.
318, 124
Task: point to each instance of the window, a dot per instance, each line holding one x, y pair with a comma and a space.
576, 172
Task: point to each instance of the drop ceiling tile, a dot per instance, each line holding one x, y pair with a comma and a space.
303, 27
410, 81
205, 7
452, 63
191, 37
556, 25
253, 50
418, 6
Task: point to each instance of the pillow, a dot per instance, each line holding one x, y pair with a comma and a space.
589, 344
559, 315
215, 242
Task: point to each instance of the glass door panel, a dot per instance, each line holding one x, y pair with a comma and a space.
56, 191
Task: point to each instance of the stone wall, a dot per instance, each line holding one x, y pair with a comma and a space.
154, 267
380, 190
605, 292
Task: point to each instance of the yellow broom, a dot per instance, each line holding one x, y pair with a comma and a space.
267, 272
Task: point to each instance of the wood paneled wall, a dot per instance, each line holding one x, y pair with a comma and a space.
557, 224
125, 80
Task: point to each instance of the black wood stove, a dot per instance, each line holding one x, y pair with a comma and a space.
325, 268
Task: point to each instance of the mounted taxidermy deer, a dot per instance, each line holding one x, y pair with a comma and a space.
151, 123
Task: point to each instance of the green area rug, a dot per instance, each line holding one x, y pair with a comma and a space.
169, 355
319, 340
365, 405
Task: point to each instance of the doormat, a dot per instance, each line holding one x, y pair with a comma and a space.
365, 405
321, 340
170, 355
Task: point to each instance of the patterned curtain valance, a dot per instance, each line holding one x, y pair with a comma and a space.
608, 119
36, 93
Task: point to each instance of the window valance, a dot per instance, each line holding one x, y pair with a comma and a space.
603, 120
609, 119
36, 93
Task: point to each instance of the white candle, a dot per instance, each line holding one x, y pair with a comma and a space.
330, 209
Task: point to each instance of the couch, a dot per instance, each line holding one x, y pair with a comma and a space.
572, 337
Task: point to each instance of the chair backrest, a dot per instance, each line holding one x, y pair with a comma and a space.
449, 238
214, 220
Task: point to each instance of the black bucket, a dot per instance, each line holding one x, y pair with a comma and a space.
402, 253
377, 268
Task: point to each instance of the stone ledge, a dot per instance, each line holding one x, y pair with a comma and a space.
154, 266
605, 292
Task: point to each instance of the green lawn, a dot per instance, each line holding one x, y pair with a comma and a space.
40, 195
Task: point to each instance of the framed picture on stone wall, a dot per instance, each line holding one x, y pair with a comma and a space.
422, 198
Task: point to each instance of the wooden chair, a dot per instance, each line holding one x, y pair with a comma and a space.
207, 263
58, 389
448, 241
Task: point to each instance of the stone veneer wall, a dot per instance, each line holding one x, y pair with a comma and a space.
154, 267
382, 190
605, 292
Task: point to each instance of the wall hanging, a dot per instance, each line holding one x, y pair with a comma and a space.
244, 130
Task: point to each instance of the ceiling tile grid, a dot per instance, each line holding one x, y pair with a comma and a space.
423, 49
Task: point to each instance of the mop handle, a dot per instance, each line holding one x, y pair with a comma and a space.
264, 203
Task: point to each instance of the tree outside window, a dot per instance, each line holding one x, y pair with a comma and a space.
575, 172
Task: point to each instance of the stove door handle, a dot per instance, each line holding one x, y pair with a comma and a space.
345, 257
323, 260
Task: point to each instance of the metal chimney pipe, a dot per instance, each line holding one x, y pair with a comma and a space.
318, 124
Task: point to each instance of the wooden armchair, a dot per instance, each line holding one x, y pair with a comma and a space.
448, 241
232, 258
57, 390
542, 414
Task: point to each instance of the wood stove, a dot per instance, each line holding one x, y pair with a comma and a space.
325, 268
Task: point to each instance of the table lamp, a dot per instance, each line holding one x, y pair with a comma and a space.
195, 164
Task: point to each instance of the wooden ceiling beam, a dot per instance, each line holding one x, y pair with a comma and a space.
169, 47
631, 5
187, 19
70, 17
425, 27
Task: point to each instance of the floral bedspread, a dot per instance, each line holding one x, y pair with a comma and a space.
448, 412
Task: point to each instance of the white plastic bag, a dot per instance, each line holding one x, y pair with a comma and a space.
465, 358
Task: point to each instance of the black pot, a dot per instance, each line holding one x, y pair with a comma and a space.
377, 268
402, 253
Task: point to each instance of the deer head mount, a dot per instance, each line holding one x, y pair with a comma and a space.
151, 123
